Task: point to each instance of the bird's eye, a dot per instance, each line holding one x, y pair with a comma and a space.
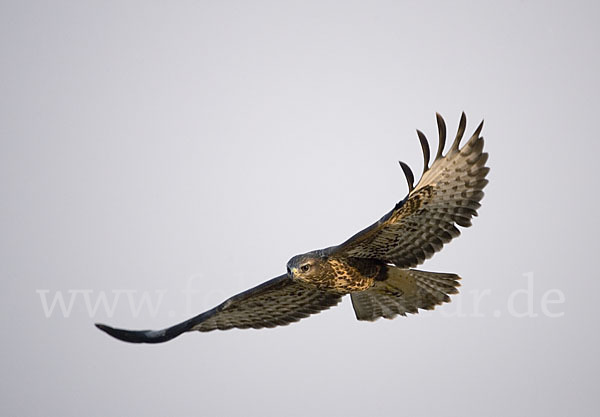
305, 267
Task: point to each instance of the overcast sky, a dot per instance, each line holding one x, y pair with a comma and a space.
162, 156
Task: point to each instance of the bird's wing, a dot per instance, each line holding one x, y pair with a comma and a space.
447, 195
277, 302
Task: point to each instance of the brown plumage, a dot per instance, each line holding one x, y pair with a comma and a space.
371, 266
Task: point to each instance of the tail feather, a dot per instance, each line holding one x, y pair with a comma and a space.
404, 291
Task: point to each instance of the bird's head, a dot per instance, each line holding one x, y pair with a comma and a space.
304, 267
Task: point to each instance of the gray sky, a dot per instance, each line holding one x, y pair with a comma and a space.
152, 150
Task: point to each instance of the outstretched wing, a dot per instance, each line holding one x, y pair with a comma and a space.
447, 195
277, 302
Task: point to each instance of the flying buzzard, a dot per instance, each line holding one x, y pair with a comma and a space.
374, 265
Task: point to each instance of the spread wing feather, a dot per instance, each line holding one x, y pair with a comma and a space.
277, 302
447, 195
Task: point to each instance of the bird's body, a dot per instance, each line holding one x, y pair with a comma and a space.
336, 273
374, 265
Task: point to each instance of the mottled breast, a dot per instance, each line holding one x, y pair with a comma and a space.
352, 274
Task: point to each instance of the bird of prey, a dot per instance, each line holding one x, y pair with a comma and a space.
375, 265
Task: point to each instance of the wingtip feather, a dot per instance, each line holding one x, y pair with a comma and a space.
410, 178
478, 130
425, 147
462, 125
121, 334
143, 336
442, 135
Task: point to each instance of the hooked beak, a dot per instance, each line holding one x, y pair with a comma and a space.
292, 272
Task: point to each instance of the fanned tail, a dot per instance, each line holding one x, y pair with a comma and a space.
404, 291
